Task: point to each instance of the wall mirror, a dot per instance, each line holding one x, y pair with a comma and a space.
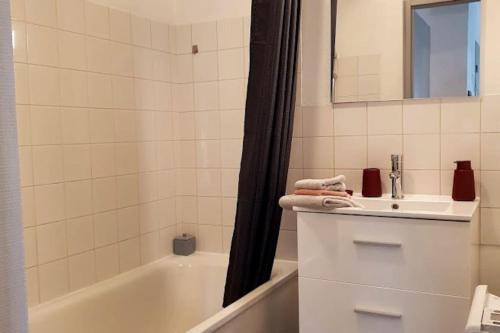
399, 49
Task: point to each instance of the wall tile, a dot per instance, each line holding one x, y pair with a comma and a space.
490, 114
30, 247
47, 164
182, 39
103, 194
75, 126
490, 226
231, 64
385, 118
317, 121
76, 161
49, 203
44, 85
489, 273
318, 152
210, 238
23, 125
73, 88
421, 116
490, 151
42, 45
205, 67
212, 210
350, 119
81, 270
45, 125
150, 247
107, 262
32, 287
105, 228
421, 152
206, 96
460, 115
129, 254
51, 241
71, 15
78, 198
72, 51
41, 12
160, 36
230, 33
22, 83
53, 279
97, 20
119, 26
128, 222
490, 189
459, 147
80, 235
231, 94
380, 149
351, 152
28, 206
205, 36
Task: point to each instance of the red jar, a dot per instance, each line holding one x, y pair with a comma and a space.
464, 187
372, 184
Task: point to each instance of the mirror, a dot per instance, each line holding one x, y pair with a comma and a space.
395, 49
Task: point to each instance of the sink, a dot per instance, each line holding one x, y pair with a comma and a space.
432, 207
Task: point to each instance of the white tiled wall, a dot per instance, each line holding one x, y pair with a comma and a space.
209, 100
96, 135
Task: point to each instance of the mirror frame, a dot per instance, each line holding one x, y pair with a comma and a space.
407, 42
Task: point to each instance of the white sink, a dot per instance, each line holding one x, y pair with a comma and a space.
434, 207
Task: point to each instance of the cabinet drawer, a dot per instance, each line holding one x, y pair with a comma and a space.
341, 307
420, 255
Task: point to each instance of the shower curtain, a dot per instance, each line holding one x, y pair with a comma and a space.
13, 313
266, 144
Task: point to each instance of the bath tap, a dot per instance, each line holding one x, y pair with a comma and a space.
396, 176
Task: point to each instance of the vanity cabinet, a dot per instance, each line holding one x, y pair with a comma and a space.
382, 274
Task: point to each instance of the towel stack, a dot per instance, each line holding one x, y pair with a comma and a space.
322, 194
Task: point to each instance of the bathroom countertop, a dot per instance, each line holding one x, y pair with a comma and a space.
414, 206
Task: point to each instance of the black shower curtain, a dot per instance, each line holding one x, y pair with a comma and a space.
266, 144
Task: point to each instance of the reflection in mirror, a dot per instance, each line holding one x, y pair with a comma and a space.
395, 49
445, 50
369, 50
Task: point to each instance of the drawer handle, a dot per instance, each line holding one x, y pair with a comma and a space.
376, 243
380, 313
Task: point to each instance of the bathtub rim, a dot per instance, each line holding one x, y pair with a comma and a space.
232, 311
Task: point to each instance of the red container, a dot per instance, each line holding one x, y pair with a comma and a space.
464, 187
372, 183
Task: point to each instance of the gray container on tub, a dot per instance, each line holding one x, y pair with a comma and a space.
184, 245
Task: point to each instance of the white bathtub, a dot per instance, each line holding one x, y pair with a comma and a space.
174, 294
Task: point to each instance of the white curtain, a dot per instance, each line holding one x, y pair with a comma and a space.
13, 313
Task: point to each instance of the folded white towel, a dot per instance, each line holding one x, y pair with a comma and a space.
330, 184
316, 202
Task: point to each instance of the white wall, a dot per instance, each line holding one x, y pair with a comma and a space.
160, 10
182, 11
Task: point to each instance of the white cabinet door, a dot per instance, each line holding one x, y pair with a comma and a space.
420, 255
331, 307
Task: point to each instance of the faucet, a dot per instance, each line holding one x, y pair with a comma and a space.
396, 176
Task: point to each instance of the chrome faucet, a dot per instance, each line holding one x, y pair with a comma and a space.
396, 176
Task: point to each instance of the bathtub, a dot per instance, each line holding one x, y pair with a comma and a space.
174, 294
